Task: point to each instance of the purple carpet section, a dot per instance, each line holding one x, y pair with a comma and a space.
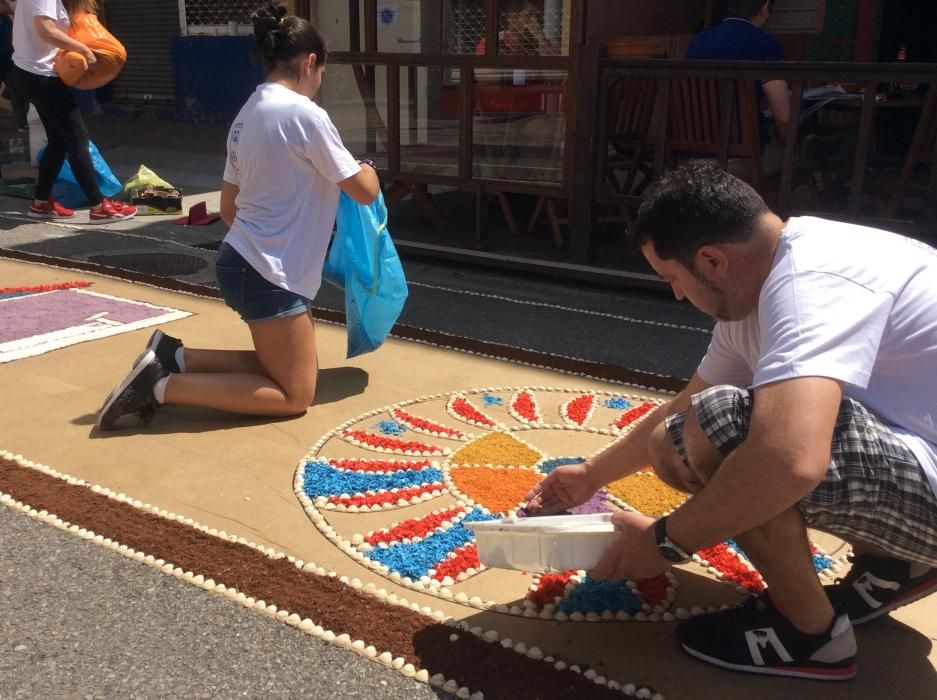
37, 314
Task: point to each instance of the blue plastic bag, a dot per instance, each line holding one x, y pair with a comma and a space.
364, 262
66, 189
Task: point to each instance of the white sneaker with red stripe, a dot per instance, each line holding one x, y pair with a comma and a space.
112, 210
49, 210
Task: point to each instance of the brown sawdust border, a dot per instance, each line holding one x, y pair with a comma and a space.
415, 641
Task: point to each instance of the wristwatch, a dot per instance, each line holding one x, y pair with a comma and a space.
666, 547
366, 161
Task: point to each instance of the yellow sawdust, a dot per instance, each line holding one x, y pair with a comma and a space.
498, 449
647, 493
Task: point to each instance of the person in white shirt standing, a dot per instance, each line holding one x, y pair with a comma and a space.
285, 169
40, 30
815, 405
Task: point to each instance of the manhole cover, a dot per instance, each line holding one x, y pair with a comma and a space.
166, 264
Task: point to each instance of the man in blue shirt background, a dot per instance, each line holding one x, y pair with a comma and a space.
741, 37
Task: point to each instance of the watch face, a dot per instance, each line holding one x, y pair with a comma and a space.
670, 554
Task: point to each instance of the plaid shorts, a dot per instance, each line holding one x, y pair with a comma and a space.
875, 491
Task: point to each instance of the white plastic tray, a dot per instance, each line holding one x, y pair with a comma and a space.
547, 544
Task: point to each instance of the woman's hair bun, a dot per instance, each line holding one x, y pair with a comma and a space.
280, 38
266, 19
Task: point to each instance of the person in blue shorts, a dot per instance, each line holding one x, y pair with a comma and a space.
285, 169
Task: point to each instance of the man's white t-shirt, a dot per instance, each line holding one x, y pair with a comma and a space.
855, 304
31, 52
285, 156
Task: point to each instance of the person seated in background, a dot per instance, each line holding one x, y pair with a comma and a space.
523, 33
740, 36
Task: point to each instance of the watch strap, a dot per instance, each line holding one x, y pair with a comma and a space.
660, 536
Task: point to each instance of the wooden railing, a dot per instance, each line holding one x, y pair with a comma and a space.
591, 78
596, 85
389, 133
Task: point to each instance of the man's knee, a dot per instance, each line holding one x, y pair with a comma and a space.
716, 424
668, 464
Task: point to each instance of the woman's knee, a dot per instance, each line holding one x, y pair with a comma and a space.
299, 397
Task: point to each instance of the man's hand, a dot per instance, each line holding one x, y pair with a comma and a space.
634, 555
564, 488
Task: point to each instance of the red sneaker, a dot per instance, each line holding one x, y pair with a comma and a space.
49, 210
112, 210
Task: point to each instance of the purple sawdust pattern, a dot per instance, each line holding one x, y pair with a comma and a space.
597, 504
38, 314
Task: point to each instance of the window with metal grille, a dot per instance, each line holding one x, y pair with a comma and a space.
465, 28
216, 16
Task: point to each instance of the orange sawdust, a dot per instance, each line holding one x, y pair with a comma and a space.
498, 490
645, 492
498, 449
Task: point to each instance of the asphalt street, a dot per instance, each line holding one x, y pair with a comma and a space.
645, 330
81, 622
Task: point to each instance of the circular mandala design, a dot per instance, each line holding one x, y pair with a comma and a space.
394, 488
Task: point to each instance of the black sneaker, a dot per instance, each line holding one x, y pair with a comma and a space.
875, 586
134, 394
165, 346
756, 638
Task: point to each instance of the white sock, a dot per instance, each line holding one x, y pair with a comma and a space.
180, 358
159, 389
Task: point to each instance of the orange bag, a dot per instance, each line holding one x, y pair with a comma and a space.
72, 67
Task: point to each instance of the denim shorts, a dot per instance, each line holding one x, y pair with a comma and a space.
250, 294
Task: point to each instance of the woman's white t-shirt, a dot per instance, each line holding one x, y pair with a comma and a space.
31, 52
285, 156
855, 304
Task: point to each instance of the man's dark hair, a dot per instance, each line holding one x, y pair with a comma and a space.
744, 8
281, 38
694, 206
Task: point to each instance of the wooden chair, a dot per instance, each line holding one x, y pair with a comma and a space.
922, 152
695, 125
639, 47
630, 109
400, 189
509, 171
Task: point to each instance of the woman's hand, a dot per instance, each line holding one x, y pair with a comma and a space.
89, 56
564, 488
47, 30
